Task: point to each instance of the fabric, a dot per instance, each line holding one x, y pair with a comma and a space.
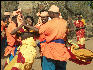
56, 41
2, 25
11, 39
11, 57
51, 31
22, 61
80, 33
49, 64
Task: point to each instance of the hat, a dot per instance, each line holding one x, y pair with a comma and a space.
14, 13
54, 8
44, 13
7, 13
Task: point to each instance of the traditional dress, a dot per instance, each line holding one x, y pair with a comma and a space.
11, 41
25, 57
80, 33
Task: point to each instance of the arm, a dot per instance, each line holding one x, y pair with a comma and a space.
32, 28
15, 30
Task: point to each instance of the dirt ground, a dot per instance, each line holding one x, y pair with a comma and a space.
70, 65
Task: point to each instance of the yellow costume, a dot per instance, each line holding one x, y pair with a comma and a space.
28, 52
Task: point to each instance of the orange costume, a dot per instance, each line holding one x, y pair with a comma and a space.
10, 39
2, 25
53, 30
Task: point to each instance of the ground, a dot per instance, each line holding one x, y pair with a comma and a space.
70, 65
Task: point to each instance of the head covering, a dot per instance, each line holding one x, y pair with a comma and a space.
45, 13
7, 13
54, 8
16, 12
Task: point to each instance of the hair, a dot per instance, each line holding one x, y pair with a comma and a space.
3, 19
32, 19
15, 9
14, 18
43, 10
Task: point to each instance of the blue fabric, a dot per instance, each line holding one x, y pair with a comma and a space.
40, 42
56, 41
49, 64
11, 56
15, 51
6, 42
59, 41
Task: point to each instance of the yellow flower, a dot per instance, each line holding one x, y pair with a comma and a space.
83, 21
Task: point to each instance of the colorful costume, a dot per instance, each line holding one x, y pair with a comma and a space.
11, 41
25, 56
79, 56
80, 33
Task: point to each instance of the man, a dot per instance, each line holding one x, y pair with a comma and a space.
52, 44
43, 18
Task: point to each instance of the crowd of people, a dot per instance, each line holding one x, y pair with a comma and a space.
19, 35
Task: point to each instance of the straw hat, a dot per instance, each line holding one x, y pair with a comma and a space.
54, 8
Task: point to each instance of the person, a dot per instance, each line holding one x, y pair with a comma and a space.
80, 32
53, 51
29, 21
43, 17
3, 38
22, 60
11, 39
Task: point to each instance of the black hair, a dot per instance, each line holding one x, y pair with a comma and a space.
15, 9
32, 19
42, 10
4, 19
14, 18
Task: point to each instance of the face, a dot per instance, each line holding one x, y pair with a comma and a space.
7, 18
29, 21
50, 14
44, 19
79, 18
